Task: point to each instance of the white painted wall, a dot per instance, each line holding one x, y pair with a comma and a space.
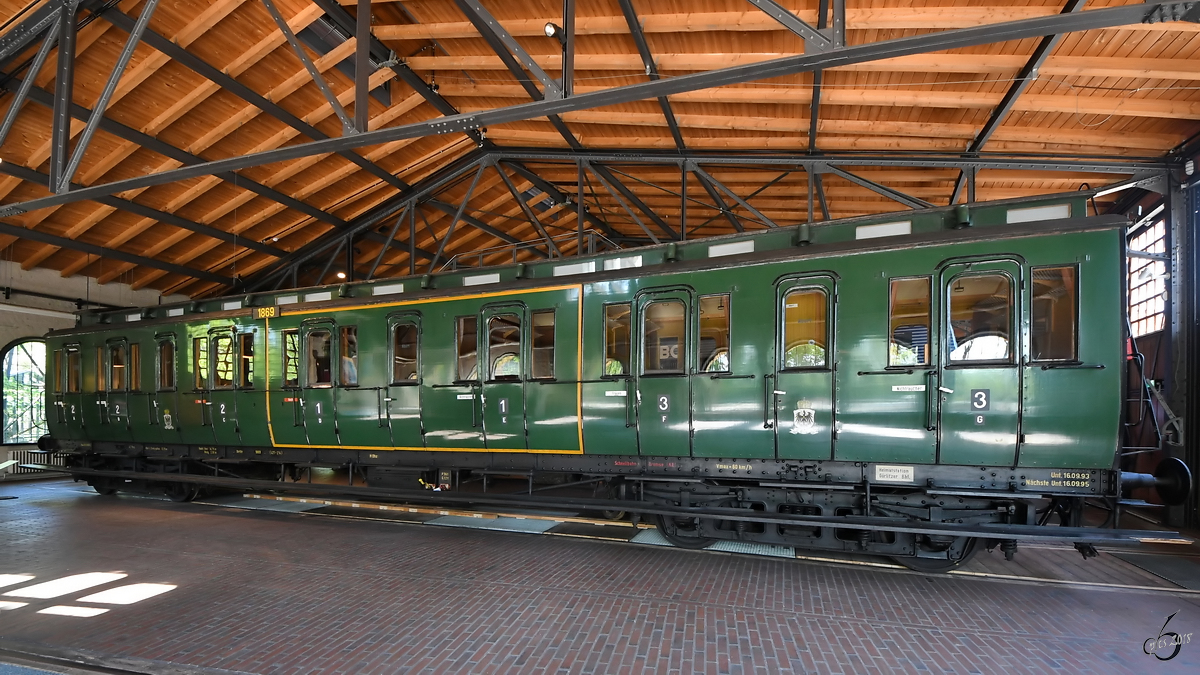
15, 325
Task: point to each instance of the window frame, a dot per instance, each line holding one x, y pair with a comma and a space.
553, 344
414, 324
222, 334
685, 351
340, 380
1013, 322
307, 377
74, 385
458, 343
101, 370
1074, 316
781, 329
283, 358
491, 377
200, 375
159, 342
628, 340
929, 327
133, 374
110, 369
728, 333
240, 379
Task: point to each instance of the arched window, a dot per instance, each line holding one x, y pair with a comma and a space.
23, 391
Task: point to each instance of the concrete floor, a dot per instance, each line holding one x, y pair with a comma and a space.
277, 592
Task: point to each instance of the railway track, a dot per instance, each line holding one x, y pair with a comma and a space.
626, 532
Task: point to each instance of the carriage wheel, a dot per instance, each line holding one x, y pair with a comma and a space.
970, 546
180, 492
681, 532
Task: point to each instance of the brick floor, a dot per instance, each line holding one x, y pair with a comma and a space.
275, 593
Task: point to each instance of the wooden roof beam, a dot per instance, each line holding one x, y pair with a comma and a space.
890, 18
1007, 65
1084, 105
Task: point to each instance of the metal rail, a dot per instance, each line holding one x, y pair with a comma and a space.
1082, 535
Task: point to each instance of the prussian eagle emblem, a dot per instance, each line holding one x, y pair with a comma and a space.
804, 419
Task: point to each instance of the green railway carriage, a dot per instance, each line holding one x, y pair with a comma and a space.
906, 385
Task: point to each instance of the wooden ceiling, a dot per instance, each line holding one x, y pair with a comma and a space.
1125, 93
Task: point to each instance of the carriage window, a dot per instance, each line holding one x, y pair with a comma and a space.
714, 334
543, 345
617, 328
200, 362
404, 353
468, 365
291, 358
504, 347
320, 372
101, 376
664, 337
222, 351
166, 365
135, 367
348, 342
908, 322
246, 372
980, 318
117, 367
74, 370
804, 328
58, 386
1054, 314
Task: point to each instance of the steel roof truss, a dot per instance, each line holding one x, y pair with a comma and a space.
502, 42
1099, 18
625, 206
64, 85
552, 248
639, 39
317, 78
23, 91
93, 122
884, 190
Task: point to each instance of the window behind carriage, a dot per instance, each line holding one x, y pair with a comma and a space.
24, 391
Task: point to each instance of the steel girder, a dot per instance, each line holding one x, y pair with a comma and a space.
1026, 77
1153, 10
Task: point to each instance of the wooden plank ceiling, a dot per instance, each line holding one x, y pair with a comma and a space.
1132, 92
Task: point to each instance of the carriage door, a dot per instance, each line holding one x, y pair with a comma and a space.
165, 405
979, 383
504, 376
222, 399
401, 403
116, 407
318, 358
663, 388
802, 390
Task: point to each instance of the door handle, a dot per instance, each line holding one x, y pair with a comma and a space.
629, 418
768, 401
932, 396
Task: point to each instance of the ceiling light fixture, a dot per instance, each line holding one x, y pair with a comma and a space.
341, 275
554, 30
